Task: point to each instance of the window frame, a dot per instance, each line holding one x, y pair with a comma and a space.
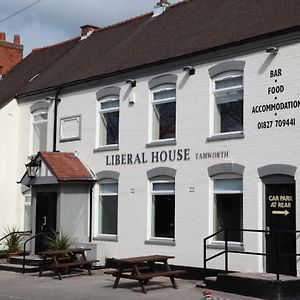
157, 89
101, 235
226, 74
101, 118
216, 241
37, 112
27, 204
152, 208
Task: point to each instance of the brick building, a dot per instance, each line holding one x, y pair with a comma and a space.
10, 53
184, 122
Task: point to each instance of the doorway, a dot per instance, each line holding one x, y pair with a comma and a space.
46, 206
280, 209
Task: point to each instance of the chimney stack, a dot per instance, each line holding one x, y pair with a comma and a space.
85, 29
2, 36
10, 53
17, 39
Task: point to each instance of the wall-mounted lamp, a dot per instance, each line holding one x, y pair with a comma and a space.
132, 82
272, 50
32, 167
189, 69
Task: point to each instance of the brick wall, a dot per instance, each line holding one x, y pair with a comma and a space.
10, 53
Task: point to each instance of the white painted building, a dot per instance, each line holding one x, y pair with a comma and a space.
177, 147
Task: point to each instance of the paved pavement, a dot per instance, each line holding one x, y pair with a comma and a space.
16, 286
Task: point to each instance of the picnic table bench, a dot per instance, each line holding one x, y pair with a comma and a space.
60, 260
144, 268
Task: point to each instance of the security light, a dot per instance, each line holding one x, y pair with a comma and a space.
132, 82
189, 69
272, 50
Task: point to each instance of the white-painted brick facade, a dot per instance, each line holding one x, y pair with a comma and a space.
194, 215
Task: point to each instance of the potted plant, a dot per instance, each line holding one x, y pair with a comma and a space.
12, 243
58, 241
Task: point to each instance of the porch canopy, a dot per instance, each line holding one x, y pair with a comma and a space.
55, 167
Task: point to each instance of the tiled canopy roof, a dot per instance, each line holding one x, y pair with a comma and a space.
188, 28
65, 166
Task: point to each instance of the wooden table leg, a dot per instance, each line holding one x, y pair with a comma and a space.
172, 278
118, 276
42, 266
141, 282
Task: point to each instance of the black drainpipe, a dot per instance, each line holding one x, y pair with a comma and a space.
91, 213
56, 101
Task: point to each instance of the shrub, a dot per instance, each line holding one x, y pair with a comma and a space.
13, 240
58, 241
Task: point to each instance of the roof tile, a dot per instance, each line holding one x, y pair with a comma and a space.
65, 166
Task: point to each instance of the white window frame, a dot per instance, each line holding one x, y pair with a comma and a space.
224, 192
162, 192
223, 76
100, 212
101, 113
33, 123
162, 87
27, 204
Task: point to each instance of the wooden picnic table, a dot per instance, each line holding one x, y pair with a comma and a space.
60, 260
144, 268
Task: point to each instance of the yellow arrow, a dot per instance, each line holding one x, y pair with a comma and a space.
280, 212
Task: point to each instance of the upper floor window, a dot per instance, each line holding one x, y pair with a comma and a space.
39, 124
164, 112
39, 130
228, 102
109, 120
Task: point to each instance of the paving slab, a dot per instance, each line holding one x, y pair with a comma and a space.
80, 286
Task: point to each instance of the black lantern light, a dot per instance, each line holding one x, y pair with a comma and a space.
32, 167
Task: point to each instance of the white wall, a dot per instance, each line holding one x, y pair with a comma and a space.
10, 203
193, 186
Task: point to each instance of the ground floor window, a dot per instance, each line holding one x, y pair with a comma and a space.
228, 208
163, 209
27, 211
108, 208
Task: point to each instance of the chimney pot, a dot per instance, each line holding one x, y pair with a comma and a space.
88, 28
17, 39
2, 36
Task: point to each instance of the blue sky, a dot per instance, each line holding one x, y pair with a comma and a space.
51, 21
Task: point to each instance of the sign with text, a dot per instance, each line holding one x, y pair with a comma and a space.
276, 91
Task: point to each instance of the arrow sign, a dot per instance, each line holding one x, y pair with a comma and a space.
280, 212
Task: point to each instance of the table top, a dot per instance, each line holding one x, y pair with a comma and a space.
143, 259
57, 252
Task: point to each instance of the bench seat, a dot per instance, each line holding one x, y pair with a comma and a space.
72, 264
150, 275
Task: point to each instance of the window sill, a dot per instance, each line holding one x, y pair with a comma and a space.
161, 143
162, 242
63, 140
231, 246
106, 237
107, 148
225, 136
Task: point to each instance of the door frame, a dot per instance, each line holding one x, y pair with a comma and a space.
275, 179
43, 188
